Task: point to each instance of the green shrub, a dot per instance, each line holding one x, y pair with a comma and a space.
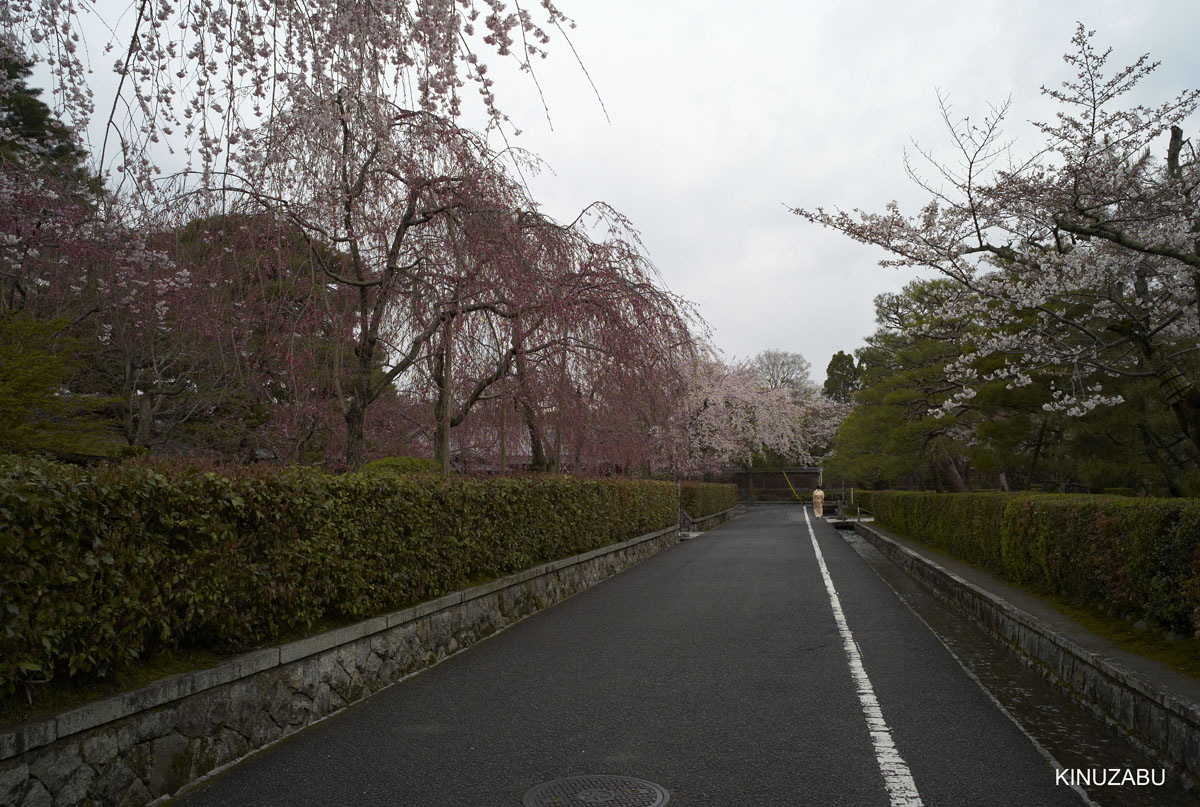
100, 567
1136, 554
403, 465
699, 499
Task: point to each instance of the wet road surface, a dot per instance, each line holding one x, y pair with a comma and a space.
767, 662
1068, 734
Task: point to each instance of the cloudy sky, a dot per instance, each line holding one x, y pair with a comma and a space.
724, 114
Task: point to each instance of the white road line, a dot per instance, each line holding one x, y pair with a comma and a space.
901, 788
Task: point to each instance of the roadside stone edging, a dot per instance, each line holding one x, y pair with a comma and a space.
145, 745
704, 523
1160, 723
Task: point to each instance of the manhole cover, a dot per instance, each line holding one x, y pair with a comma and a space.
597, 789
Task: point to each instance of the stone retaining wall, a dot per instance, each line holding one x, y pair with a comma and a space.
1160, 723
713, 519
147, 744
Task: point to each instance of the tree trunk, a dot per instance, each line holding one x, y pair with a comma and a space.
145, 418
441, 439
1164, 465
503, 437
360, 397
130, 419
1183, 398
949, 468
442, 370
556, 460
354, 433
1175, 171
1180, 392
129, 393
1037, 453
537, 440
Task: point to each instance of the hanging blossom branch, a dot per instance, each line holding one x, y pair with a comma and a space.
204, 71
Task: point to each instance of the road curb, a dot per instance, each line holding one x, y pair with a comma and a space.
1159, 722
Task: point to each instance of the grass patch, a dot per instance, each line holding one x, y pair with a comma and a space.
1182, 656
43, 700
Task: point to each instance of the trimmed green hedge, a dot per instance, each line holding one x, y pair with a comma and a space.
699, 499
100, 567
404, 465
1136, 554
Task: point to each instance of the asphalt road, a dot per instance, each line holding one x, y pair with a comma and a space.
716, 669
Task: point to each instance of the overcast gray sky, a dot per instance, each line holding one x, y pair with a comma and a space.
723, 114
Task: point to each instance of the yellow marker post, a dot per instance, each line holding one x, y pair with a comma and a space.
794, 493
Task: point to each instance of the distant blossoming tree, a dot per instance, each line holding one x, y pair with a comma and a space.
783, 369
728, 413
